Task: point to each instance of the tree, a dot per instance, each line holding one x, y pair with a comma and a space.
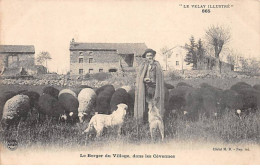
250, 65
217, 37
166, 53
42, 57
191, 56
231, 58
200, 50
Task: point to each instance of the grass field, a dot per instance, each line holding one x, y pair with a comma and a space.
228, 129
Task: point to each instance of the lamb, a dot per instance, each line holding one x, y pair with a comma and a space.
101, 121
51, 91
14, 110
67, 91
87, 99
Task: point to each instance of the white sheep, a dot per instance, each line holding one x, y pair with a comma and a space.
67, 91
15, 109
87, 98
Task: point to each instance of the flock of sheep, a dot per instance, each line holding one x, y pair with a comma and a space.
116, 105
241, 98
71, 106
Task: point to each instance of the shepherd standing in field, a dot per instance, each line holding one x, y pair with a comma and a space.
149, 86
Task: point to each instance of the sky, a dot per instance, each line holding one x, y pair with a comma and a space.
50, 25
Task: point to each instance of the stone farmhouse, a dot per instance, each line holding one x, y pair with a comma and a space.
19, 59
104, 57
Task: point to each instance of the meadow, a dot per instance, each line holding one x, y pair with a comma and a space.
227, 129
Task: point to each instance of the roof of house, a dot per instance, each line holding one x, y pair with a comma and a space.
121, 48
17, 49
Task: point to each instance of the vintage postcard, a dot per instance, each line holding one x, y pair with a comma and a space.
127, 82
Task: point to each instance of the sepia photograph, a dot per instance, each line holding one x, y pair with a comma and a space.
129, 82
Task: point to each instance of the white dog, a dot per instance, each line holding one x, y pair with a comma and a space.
155, 119
100, 121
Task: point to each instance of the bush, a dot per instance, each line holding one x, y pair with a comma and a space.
101, 76
87, 76
174, 76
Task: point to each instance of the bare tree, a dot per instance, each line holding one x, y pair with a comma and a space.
42, 57
217, 37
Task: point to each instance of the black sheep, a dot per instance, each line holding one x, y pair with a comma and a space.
251, 98
177, 98
103, 100
70, 105
168, 86
257, 87
239, 86
51, 91
231, 100
121, 96
50, 106
34, 97
203, 102
102, 88
183, 84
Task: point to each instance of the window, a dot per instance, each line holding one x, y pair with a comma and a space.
112, 70
80, 53
80, 60
80, 71
90, 71
12, 58
177, 63
101, 70
90, 60
90, 53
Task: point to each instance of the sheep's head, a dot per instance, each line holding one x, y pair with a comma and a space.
185, 112
81, 116
63, 117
